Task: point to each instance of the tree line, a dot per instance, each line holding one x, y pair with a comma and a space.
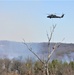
30, 67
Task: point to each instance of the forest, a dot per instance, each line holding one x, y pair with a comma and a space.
30, 67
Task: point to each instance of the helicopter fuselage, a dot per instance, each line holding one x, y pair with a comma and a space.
54, 16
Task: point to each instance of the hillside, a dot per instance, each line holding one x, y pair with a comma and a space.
18, 50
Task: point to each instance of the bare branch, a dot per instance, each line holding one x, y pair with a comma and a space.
50, 55
53, 49
49, 39
30, 49
48, 36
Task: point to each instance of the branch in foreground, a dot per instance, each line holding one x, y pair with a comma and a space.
30, 49
49, 38
53, 49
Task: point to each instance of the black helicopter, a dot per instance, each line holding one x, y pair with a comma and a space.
55, 16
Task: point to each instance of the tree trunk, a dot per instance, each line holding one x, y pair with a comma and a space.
46, 71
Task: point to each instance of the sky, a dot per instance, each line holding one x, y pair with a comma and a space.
28, 20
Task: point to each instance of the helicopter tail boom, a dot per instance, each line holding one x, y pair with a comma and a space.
62, 15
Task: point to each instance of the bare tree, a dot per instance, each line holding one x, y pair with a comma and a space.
45, 62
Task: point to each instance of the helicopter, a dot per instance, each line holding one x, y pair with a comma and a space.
55, 16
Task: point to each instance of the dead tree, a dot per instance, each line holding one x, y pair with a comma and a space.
45, 63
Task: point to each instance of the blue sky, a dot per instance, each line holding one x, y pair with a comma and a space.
28, 20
